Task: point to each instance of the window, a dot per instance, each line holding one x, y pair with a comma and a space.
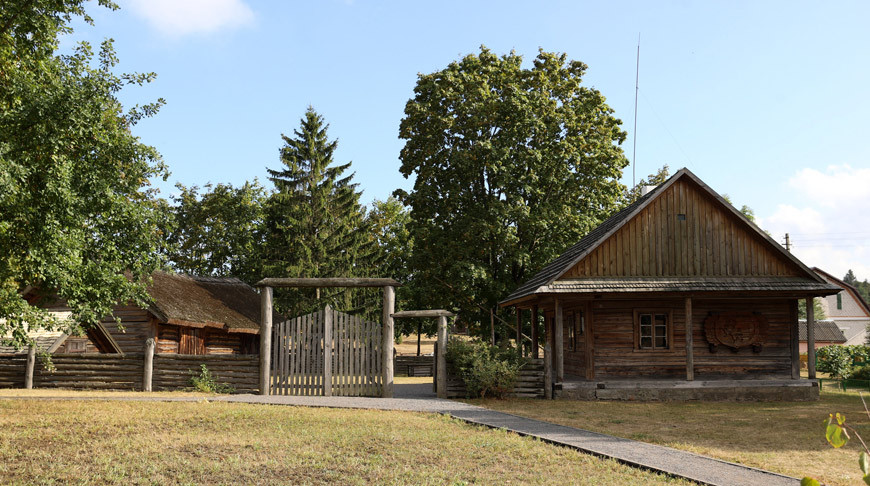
840, 301
580, 323
572, 334
652, 330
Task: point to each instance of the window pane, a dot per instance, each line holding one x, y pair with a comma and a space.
645, 319
645, 331
661, 342
645, 342
661, 319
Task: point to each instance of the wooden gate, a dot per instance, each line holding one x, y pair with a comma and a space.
327, 353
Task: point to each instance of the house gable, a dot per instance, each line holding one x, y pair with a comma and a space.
685, 230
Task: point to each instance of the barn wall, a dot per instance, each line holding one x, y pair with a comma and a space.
204, 341
684, 232
615, 355
137, 328
75, 344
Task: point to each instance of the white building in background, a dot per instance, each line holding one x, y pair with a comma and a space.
847, 309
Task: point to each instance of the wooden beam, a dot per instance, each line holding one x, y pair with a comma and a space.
327, 282
795, 339
558, 344
535, 353
519, 332
690, 352
811, 338
590, 342
148, 371
548, 360
265, 338
389, 310
422, 313
441, 358
327, 351
31, 364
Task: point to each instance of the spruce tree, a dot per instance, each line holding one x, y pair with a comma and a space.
315, 225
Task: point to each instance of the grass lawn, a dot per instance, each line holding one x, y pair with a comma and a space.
99, 442
784, 437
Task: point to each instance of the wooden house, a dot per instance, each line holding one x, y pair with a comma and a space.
188, 315
846, 308
679, 296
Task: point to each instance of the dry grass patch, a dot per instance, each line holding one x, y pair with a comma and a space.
99, 442
783, 437
408, 346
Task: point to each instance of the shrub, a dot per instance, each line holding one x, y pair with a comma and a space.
834, 360
486, 370
861, 373
205, 382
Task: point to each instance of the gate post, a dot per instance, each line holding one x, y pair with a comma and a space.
265, 338
441, 363
327, 351
389, 307
31, 364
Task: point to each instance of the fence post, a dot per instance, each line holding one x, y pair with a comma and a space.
265, 338
149, 364
389, 308
31, 363
327, 351
441, 357
435, 370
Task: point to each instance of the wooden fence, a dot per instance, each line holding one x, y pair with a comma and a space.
414, 365
327, 353
530, 383
125, 372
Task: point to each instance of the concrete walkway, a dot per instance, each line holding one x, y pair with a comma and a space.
419, 398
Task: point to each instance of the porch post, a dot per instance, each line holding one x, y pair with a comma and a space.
811, 338
559, 344
534, 333
690, 358
441, 363
548, 360
389, 308
519, 331
265, 338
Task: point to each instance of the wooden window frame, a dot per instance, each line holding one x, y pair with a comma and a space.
572, 332
669, 331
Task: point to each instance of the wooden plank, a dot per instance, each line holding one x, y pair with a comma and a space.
590, 342
441, 359
327, 352
548, 359
697, 233
690, 356
327, 282
422, 313
265, 338
795, 340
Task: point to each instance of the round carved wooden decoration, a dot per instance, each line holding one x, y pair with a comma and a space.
735, 330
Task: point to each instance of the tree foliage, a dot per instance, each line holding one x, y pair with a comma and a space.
633, 194
218, 232
75, 212
818, 310
315, 225
512, 166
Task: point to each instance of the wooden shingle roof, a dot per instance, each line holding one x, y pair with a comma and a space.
564, 275
826, 331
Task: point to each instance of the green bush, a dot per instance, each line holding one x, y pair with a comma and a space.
838, 361
486, 370
205, 382
861, 373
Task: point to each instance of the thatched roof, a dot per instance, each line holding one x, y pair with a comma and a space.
224, 303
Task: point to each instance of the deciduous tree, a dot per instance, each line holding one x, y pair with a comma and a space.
75, 212
512, 165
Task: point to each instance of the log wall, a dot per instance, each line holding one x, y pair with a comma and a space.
116, 372
615, 354
206, 341
137, 328
530, 383
684, 232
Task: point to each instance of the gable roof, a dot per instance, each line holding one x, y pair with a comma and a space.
545, 281
849, 288
826, 331
218, 302
49, 341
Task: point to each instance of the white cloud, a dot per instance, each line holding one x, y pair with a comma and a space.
828, 219
181, 17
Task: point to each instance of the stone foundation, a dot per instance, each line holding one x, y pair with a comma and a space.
718, 390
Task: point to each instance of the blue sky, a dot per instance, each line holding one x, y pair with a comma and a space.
765, 101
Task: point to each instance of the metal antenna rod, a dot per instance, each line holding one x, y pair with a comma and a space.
634, 142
